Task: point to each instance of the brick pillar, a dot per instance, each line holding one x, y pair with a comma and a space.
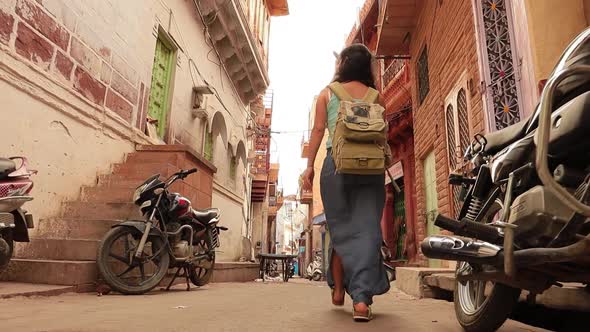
387, 219
408, 164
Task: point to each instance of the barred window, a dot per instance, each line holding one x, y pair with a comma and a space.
423, 80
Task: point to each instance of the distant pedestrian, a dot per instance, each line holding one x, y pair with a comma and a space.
353, 203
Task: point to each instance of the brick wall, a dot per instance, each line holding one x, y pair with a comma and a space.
53, 37
448, 30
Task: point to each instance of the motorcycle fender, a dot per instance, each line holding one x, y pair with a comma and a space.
20, 231
140, 226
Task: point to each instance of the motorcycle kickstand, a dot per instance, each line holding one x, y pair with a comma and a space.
186, 276
176, 275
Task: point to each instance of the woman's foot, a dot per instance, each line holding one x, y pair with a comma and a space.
361, 312
338, 297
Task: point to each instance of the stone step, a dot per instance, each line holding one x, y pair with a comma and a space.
54, 272
144, 169
94, 211
63, 228
106, 194
57, 249
152, 157
120, 181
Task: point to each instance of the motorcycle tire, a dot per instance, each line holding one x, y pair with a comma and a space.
200, 280
316, 276
196, 275
492, 314
6, 248
162, 261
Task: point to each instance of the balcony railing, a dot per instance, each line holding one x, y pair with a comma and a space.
392, 71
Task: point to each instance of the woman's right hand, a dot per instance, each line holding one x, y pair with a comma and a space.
308, 175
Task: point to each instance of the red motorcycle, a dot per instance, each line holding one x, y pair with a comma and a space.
15, 186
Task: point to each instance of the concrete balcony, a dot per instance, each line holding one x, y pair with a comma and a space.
306, 197
272, 211
305, 150
278, 7
234, 41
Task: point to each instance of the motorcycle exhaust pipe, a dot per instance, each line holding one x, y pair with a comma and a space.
455, 248
470, 229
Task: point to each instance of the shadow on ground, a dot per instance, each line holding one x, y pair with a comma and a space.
552, 319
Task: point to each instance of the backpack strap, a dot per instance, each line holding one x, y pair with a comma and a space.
372, 96
340, 92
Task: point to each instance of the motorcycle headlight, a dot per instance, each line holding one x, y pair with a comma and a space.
144, 205
137, 193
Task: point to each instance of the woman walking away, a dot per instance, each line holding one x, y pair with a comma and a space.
352, 179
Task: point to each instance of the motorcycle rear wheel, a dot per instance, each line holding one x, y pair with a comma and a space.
155, 258
200, 276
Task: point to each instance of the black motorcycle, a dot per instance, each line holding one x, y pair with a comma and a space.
524, 223
135, 255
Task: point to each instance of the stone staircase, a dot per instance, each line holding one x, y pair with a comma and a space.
63, 249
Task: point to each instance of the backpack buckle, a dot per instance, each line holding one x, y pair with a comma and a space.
363, 162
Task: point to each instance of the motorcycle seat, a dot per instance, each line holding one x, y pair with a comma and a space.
206, 215
500, 139
7, 166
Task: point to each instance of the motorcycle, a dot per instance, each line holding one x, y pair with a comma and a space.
135, 255
15, 186
524, 219
314, 269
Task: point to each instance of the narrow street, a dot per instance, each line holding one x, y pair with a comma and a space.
295, 306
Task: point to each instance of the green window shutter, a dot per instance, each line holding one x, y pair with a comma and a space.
160, 86
209, 146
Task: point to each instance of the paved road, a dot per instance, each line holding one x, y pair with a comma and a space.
295, 306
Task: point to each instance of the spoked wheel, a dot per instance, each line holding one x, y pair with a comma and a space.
123, 271
482, 306
201, 273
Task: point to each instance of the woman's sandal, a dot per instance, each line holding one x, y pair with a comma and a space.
362, 316
337, 303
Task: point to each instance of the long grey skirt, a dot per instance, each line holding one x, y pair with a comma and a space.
353, 205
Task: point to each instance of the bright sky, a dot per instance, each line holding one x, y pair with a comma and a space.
301, 64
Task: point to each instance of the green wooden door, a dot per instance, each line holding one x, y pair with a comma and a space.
160, 89
431, 199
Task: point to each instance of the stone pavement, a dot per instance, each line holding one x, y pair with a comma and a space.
299, 305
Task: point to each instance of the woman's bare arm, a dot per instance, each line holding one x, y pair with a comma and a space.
319, 127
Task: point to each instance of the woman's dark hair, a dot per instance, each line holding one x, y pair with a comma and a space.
355, 65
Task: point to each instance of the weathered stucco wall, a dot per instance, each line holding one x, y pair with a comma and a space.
66, 153
552, 26
232, 217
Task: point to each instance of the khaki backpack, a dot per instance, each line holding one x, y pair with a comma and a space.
359, 143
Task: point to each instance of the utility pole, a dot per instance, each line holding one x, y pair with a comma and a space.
292, 244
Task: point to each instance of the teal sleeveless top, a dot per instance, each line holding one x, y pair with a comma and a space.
332, 109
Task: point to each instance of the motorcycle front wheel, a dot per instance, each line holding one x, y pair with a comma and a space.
482, 306
125, 272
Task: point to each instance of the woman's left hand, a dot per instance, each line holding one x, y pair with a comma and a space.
308, 178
